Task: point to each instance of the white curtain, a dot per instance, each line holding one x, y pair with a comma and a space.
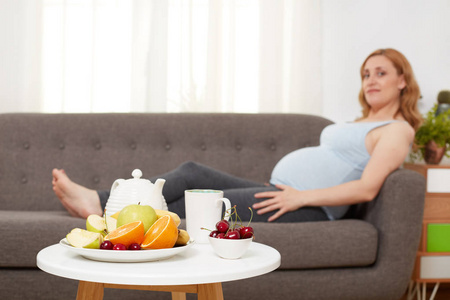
164, 56
20, 56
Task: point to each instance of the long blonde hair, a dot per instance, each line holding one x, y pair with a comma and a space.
409, 95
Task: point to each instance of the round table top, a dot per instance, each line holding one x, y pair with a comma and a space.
197, 265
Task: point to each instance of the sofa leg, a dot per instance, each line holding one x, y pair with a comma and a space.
436, 287
410, 290
420, 290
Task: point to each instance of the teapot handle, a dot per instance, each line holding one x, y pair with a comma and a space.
116, 184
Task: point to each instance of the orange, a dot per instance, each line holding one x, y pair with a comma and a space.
162, 234
128, 234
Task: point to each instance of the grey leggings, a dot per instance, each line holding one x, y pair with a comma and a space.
192, 175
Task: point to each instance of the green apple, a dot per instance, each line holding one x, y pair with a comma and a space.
103, 225
95, 223
137, 212
111, 224
81, 238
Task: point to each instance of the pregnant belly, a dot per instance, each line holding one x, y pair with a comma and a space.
313, 168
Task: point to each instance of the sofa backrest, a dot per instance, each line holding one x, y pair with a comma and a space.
96, 149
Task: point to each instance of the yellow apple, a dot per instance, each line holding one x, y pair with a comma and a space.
116, 215
175, 217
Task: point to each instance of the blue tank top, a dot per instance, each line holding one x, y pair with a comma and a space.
340, 157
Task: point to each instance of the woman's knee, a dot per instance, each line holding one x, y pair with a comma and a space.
190, 166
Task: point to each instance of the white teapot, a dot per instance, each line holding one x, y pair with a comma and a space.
134, 191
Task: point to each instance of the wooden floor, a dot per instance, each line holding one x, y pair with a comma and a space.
442, 294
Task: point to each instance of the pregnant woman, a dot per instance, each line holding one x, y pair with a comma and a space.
310, 184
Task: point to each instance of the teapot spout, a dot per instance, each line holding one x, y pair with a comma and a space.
157, 196
159, 184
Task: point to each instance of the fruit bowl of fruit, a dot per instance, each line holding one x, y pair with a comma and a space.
137, 233
231, 240
129, 256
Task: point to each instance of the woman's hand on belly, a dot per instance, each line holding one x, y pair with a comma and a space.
286, 200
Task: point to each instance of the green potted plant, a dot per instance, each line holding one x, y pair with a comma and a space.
432, 139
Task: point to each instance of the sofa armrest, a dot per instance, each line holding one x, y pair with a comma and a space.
398, 208
397, 213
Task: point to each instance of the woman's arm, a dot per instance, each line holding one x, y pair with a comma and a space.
389, 150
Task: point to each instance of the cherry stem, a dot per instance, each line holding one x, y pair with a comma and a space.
235, 217
240, 220
251, 216
229, 211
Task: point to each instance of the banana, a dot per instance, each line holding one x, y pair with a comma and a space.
175, 217
183, 238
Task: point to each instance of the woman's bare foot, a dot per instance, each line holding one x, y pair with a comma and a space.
78, 200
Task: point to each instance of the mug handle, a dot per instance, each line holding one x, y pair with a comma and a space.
227, 206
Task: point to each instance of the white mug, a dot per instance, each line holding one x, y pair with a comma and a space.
204, 210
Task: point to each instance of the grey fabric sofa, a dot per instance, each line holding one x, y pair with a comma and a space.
368, 255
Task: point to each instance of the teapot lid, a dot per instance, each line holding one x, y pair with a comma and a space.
137, 190
137, 174
133, 185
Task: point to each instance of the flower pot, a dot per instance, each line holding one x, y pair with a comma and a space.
433, 153
442, 108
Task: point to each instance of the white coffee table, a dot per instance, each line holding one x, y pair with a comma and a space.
196, 270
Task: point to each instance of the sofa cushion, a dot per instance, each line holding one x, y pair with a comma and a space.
312, 245
347, 243
25, 233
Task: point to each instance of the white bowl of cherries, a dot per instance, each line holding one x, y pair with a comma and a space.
231, 240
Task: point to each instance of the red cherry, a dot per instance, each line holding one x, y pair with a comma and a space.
221, 235
107, 245
246, 232
222, 226
214, 233
233, 235
119, 247
134, 246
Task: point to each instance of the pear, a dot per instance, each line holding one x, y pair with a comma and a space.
81, 238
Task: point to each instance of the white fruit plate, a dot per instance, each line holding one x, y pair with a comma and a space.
126, 255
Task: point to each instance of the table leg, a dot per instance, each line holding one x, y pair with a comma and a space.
210, 291
90, 291
178, 296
